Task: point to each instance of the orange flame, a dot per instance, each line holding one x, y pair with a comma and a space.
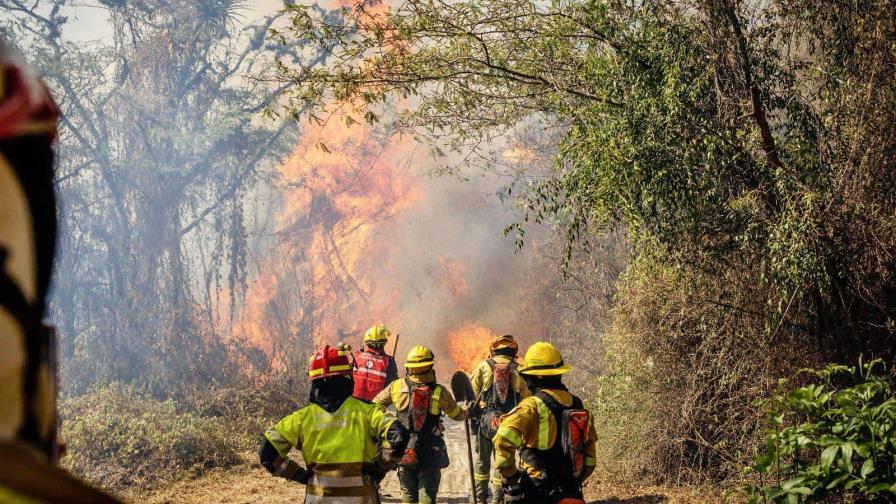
339, 258
342, 190
469, 344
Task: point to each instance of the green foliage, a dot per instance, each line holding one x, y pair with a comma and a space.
716, 133
836, 436
118, 436
744, 147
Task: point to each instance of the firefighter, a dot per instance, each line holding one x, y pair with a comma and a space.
374, 369
553, 432
499, 387
337, 434
421, 402
28, 443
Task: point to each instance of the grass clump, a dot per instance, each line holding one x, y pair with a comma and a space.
118, 436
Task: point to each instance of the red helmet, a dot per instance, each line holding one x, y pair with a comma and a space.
26, 107
329, 361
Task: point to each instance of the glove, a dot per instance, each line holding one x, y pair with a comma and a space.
302, 476
294, 472
475, 410
514, 493
409, 458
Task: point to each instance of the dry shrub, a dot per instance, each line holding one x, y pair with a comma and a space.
687, 358
118, 436
121, 437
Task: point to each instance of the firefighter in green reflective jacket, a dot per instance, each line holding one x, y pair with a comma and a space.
337, 434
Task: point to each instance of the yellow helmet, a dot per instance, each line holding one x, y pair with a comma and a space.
506, 341
377, 334
542, 359
419, 357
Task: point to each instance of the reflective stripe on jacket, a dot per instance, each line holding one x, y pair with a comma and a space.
532, 425
370, 374
337, 447
397, 394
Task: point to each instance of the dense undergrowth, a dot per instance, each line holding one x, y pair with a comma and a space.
121, 437
833, 439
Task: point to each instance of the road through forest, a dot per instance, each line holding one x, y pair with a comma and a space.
249, 483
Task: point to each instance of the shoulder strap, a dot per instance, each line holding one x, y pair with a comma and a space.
554, 406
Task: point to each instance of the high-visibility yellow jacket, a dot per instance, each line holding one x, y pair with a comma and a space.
442, 401
532, 425
337, 447
481, 379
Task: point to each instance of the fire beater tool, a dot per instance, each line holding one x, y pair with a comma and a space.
463, 391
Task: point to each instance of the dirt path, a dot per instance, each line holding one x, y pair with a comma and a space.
249, 483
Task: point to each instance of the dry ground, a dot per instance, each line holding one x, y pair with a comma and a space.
249, 483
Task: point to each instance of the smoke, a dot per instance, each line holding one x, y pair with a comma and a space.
365, 236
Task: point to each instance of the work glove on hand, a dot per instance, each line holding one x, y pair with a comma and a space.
303, 475
514, 493
475, 410
294, 472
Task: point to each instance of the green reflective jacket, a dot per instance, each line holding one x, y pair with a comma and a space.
337, 447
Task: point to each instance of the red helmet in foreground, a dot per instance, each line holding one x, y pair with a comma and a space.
329, 361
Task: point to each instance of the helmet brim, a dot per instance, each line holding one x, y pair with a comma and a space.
417, 365
545, 372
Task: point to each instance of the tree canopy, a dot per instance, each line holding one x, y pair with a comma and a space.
747, 148
724, 134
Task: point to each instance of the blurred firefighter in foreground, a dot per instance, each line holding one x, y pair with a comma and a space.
28, 444
553, 432
374, 368
498, 386
420, 402
337, 434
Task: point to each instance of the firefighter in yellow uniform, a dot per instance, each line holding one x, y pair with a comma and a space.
499, 387
553, 433
421, 402
337, 435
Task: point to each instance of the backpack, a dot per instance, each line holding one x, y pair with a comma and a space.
500, 397
424, 448
563, 463
369, 374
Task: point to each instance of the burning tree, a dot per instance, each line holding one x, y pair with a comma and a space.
159, 148
745, 148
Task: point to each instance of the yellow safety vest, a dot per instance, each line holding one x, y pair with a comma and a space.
336, 447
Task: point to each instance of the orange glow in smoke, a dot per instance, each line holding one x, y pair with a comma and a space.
469, 344
337, 263
343, 188
452, 275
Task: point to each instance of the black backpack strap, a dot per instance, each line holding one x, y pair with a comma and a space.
552, 404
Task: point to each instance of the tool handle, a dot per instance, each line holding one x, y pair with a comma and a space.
395, 345
470, 460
